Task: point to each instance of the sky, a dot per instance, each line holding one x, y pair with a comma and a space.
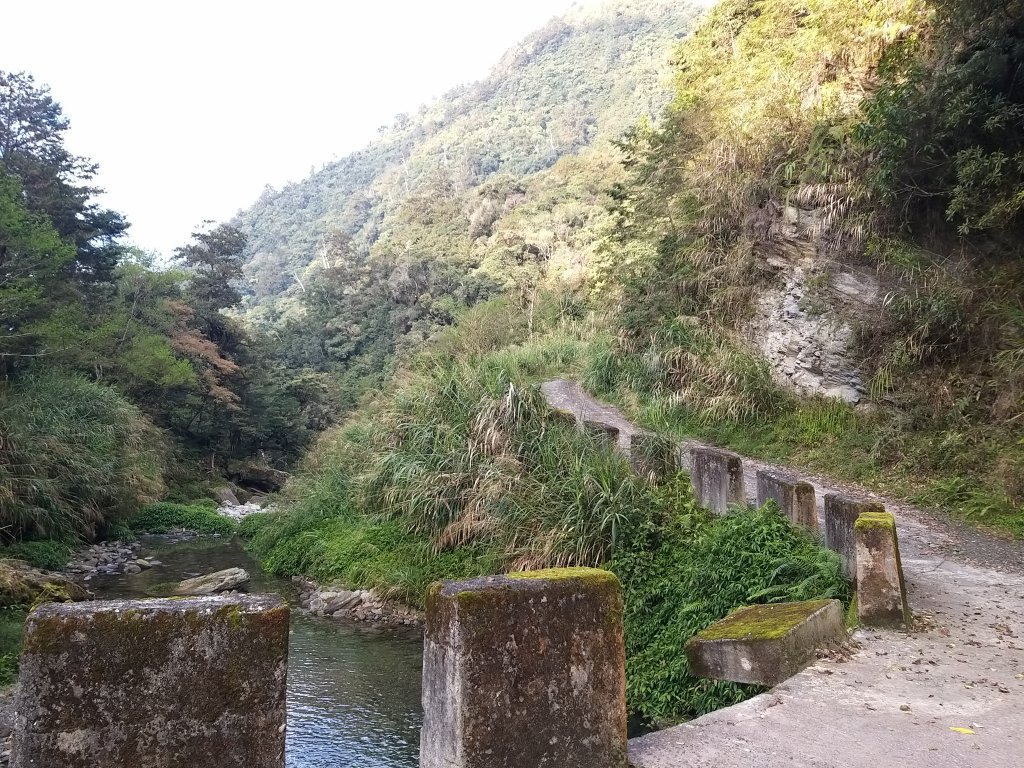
191, 108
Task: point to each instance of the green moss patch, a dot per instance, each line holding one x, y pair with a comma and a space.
762, 622
871, 520
558, 574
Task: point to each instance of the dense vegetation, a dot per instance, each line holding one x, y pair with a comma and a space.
479, 194
120, 383
465, 471
920, 182
422, 288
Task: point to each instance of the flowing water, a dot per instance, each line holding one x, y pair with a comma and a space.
353, 691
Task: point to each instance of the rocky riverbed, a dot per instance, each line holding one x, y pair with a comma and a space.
365, 605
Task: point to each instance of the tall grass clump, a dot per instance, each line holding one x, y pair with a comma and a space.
74, 457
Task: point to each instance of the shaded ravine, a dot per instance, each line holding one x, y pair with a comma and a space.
898, 699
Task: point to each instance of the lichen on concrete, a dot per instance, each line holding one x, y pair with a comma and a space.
526, 669
154, 684
762, 622
881, 588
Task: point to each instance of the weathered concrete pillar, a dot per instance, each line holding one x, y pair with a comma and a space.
881, 590
524, 671
196, 683
652, 456
717, 478
841, 513
795, 497
602, 431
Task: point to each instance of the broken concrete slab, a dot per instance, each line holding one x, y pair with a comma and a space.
766, 644
881, 589
525, 670
717, 479
652, 456
154, 683
841, 513
795, 497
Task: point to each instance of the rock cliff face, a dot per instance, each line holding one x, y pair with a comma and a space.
805, 324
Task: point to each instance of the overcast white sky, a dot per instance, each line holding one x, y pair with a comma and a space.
190, 108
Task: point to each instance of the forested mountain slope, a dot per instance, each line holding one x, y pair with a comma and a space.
584, 77
372, 254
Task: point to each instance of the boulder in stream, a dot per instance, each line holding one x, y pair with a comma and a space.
211, 583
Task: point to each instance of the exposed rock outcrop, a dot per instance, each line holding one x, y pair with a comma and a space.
21, 584
805, 327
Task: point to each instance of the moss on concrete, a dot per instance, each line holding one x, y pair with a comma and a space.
558, 574
875, 519
762, 622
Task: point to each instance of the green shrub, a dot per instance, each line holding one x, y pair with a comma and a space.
75, 456
163, 517
50, 555
682, 574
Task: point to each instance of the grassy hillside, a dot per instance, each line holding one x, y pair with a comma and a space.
494, 188
897, 131
462, 470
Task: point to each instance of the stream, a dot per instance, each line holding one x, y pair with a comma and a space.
353, 690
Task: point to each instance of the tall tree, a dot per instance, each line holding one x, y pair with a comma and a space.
56, 183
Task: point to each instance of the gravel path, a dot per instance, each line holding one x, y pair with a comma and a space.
898, 700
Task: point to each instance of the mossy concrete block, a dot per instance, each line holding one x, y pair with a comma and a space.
717, 479
841, 513
524, 671
652, 456
881, 589
154, 684
766, 644
794, 496
601, 431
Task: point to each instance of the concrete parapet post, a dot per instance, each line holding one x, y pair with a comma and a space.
525, 671
881, 589
841, 513
795, 497
766, 644
717, 478
652, 456
154, 683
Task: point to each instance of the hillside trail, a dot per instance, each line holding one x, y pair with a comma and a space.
951, 693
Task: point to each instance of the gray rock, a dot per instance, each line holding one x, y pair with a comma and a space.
225, 495
211, 583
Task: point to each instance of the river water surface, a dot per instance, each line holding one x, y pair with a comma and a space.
353, 690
